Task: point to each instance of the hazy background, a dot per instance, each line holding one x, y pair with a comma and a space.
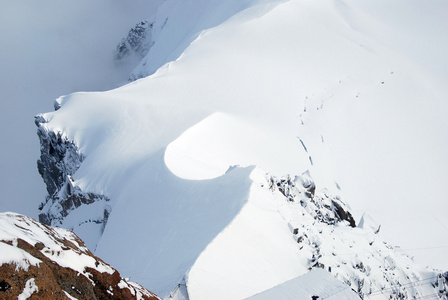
49, 48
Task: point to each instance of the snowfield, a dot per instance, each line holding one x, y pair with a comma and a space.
351, 91
315, 283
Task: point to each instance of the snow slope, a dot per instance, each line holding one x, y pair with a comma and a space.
52, 262
315, 283
333, 87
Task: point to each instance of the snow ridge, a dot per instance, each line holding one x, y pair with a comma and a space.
357, 256
315, 231
177, 24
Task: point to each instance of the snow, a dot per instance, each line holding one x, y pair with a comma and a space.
288, 86
207, 149
178, 23
20, 258
315, 283
70, 296
182, 216
254, 251
29, 289
14, 226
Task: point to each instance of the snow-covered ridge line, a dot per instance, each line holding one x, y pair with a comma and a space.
164, 37
313, 230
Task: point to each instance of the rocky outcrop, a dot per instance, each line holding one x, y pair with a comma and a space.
137, 43
53, 263
59, 159
328, 237
323, 207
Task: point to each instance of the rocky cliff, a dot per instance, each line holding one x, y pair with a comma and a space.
137, 43
60, 158
44, 262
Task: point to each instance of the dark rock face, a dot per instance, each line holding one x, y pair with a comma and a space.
50, 280
323, 207
137, 43
60, 158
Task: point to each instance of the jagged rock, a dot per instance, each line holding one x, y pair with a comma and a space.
328, 237
53, 263
137, 43
325, 208
60, 158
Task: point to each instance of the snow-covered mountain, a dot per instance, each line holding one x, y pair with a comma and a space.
180, 172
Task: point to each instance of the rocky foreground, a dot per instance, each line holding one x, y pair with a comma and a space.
44, 262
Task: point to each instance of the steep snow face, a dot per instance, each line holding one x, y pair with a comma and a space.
315, 283
288, 86
286, 229
180, 22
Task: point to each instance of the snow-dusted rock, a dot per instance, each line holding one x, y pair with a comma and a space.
283, 232
137, 43
60, 158
53, 263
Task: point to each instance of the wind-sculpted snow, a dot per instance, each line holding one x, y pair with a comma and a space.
180, 22
292, 87
183, 216
285, 230
317, 283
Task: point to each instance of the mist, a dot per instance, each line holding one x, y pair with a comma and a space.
51, 48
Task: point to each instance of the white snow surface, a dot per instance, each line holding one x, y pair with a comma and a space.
353, 91
315, 283
29, 289
70, 296
51, 48
20, 258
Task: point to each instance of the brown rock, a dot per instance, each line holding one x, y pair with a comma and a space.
49, 280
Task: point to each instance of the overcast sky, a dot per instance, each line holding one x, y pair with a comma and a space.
50, 48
